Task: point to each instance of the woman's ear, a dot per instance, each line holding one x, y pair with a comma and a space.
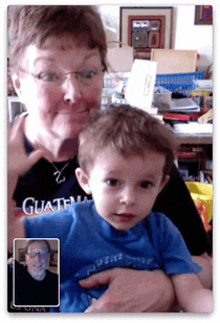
83, 180
16, 83
164, 182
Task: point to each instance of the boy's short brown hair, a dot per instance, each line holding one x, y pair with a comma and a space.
34, 24
128, 130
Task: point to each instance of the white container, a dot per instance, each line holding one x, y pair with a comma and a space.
162, 98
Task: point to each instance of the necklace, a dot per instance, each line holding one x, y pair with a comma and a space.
58, 173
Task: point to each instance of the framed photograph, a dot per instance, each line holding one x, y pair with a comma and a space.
15, 108
203, 15
145, 28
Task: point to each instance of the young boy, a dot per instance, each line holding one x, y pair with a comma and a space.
125, 156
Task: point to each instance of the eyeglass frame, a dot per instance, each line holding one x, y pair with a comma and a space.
42, 255
62, 76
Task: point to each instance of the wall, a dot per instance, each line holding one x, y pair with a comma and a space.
187, 35
193, 37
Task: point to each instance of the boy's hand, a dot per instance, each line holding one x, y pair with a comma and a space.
131, 291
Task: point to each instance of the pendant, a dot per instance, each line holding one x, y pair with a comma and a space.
58, 179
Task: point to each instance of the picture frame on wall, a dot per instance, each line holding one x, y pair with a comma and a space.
203, 15
145, 28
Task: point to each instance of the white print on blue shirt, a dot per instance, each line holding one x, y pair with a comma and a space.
77, 299
32, 206
117, 260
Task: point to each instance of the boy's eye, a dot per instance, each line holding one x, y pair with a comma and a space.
112, 182
146, 184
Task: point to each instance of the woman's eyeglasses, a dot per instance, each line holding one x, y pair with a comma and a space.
55, 78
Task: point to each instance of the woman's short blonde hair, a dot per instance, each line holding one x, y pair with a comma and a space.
34, 24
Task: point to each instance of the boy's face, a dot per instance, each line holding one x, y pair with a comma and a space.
124, 188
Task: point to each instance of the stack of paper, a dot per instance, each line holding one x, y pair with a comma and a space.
193, 128
184, 105
140, 85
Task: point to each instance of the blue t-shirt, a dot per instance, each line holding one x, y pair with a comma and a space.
89, 245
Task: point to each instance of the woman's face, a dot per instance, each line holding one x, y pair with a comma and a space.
57, 104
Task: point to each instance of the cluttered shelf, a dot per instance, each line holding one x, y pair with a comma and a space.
201, 138
181, 100
199, 131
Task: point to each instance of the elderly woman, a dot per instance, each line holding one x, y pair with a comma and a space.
58, 58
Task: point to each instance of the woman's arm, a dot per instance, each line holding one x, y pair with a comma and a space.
15, 229
205, 277
177, 204
132, 291
18, 164
141, 291
18, 160
191, 296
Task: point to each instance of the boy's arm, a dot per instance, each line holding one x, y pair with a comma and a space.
191, 296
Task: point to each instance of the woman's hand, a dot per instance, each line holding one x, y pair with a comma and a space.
18, 164
131, 291
18, 160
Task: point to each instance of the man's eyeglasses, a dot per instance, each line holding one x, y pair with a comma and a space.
40, 254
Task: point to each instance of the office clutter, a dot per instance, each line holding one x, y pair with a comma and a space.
182, 100
202, 195
162, 98
174, 61
203, 92
179, 83
195, 162
135, 87
140, 85
174, 92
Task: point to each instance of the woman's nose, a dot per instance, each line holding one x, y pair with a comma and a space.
72, 89
128, 196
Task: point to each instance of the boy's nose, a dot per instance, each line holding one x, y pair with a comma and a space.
128, 196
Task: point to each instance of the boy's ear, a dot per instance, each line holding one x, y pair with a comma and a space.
83, 180
164, 182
